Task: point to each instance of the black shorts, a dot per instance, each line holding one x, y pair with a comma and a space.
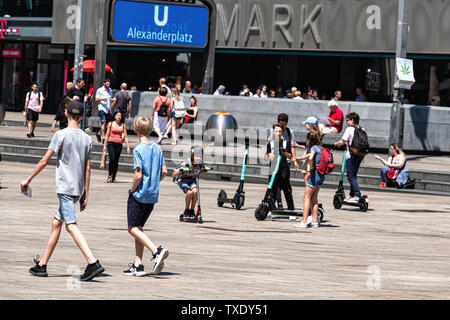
138, 213
32, 116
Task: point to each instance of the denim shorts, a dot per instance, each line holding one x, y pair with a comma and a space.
187, 184
104, 117
315, 179
66, 210
172, 116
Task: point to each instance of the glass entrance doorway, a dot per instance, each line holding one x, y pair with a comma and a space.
49, 76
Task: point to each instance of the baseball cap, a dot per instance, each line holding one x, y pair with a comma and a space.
333, 102
75, 108
311, 120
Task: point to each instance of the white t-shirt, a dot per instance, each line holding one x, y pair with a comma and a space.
285, 137
34, 103
102, 93
72, 147
348, 138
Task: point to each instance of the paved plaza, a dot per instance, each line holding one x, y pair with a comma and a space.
398, 249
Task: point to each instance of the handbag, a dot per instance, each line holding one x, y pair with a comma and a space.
103, 161
392, 174
180, 109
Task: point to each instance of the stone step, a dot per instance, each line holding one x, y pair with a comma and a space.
233, 172
39, 147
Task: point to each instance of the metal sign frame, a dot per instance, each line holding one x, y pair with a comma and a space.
150, 44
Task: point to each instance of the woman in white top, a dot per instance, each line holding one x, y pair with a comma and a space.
396, 163
177, 115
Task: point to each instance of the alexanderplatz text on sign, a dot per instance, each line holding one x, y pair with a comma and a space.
162, 24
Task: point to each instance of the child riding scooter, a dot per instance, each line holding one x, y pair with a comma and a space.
186, 176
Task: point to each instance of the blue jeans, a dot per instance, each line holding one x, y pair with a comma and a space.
352, 166
401, 179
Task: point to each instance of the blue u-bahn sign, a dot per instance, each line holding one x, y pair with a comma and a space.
160, 23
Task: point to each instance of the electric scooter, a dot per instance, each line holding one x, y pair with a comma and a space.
339, 196
198, 215
268, 204
239, 197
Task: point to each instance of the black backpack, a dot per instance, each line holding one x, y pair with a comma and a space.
360, 142
163, 109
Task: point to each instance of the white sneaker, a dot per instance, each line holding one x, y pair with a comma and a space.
160, 139
161, 255
174, 143
301, 225
354, 199
315, 224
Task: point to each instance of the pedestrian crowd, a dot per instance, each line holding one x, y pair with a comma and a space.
170, 110
294, 93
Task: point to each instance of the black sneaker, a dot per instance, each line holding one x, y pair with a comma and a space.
92, 270
186, 213
280, 205
191, 213
134, 271
37, 270
32, 134
28, 135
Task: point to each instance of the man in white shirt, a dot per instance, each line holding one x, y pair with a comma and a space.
104, 98
34, 101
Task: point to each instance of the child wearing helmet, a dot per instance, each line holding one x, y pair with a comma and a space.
185, 176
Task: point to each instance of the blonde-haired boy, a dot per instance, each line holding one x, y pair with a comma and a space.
150, 168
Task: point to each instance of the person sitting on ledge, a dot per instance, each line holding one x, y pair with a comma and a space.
394, 170
334, 119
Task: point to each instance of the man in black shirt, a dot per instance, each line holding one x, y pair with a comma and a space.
77, 92
122, 102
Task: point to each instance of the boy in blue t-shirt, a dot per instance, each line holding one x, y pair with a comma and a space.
150, 168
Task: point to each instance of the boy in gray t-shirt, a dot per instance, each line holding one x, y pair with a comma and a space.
73, 149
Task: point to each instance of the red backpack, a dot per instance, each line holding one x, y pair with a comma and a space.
326, 164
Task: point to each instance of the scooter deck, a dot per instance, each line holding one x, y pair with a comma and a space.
227, 200
280, 212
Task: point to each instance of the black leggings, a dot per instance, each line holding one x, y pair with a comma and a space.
114, 151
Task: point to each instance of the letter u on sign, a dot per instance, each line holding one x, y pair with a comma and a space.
158, 22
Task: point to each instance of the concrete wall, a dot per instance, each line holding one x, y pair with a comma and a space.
426, 128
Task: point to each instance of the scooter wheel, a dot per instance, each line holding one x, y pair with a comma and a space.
222, 196
363, 206
181, 217
261, 212
321, 213
200, 220
337, 202
240, 202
